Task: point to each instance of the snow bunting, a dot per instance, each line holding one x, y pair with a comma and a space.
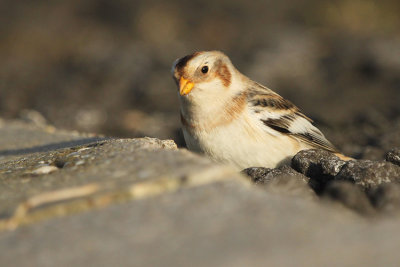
235, 120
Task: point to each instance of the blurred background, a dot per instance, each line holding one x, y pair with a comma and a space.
104, 66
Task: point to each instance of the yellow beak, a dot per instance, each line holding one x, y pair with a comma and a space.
185, 86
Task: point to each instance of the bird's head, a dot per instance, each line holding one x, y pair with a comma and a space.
204, 76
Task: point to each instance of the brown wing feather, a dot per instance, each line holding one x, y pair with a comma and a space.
264, 100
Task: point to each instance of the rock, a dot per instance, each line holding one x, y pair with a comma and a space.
260, 175
218, 224
44, 170
320, 165
33, 117
41, 180
386, 197
369, 174
393, 156
350, 195
154, 143
282, 180
331, 166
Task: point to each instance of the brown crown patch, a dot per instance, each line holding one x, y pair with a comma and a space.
180, 66
224, 74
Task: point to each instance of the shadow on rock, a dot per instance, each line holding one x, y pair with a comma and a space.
53, 146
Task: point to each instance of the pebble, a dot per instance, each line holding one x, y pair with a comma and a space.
393, 156
45, 170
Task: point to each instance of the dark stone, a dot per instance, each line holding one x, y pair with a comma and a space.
319, 165
369, 174
282, 180
386, 197
350, 195
331, 166
260, 175
393, 156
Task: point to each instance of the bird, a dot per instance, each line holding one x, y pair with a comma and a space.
235, 120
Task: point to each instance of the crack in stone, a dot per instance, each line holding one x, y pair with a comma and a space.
83, 198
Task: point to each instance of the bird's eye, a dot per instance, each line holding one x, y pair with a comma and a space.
204, 69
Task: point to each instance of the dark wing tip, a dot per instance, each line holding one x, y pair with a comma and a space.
316, 141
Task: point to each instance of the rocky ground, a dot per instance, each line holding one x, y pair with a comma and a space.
75, 199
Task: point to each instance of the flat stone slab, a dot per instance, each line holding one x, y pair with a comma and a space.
47, 184
219, 224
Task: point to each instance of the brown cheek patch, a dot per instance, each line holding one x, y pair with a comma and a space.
225, 75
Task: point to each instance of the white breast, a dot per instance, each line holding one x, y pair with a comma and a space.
244, 143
